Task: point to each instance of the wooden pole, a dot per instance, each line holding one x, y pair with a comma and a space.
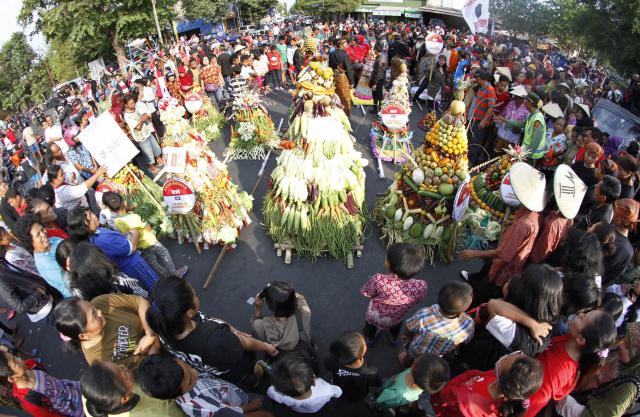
216, 265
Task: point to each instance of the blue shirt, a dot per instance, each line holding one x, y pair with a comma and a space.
49, 269
118, 248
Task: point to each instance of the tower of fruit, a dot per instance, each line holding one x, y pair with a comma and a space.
253, 134
391, 137
315, 201
485, 186
417, 206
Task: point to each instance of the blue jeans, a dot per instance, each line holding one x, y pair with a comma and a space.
216, 97
150, 149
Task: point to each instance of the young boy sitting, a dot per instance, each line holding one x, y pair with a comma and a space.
197, 394
296, 390
440, 328
154, 252
428, 375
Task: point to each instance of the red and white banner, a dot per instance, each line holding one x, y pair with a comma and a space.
476, 14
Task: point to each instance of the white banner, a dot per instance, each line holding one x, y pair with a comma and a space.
108, 144
476, 14
96, 68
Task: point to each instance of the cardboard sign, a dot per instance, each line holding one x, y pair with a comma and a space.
108, 144
179, 196
461, 202
175, 159
394, 117
507, 194
434, 43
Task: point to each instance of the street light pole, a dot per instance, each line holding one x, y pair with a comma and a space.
155, 16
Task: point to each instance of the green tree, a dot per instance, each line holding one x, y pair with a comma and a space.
326, 8
522, 16
212, 10
251, 11
62, 62
94, 28
22, 80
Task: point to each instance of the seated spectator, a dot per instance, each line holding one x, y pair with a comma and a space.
348, 368
290, 326
499, 392
110, 327
110, 390
196, 393
14, 254
202, 342
47, 194
428, 375
152, 251
584, 255
48, 217
33, 238
67, 195
520, 322
83, 225
580, 293
39, 393
92, 274
442, 327
295, 390
12, 207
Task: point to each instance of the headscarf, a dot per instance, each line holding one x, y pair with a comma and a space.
625, 212
612, 145
116, 106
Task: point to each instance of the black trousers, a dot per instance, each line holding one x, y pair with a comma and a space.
370, 330
483, 290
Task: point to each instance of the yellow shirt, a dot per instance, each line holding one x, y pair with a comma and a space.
128, 222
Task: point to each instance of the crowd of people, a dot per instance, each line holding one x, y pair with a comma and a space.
549, 324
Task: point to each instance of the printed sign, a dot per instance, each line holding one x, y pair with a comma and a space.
476, 14
434, 43
193, 103
507, 193
107, 143
461, 202
394, 117
179, 196
175, 159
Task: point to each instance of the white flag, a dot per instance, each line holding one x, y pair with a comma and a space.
476, 13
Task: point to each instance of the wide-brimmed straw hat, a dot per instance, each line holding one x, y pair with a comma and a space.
584, 108
553, 110
519, 91
528, 185
568, 190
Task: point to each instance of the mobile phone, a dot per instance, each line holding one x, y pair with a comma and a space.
262, 293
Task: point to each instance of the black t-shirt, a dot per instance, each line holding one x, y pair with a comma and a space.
626, 191
224, 60
595, 215
354, 382
616, 264
217, 347
587, 175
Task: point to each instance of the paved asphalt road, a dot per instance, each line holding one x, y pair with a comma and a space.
331, 289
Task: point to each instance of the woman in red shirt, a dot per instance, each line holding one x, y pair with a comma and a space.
502, 391
578, 354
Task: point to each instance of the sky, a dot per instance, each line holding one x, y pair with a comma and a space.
9, 10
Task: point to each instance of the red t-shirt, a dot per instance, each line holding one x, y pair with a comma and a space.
467, 395
580, 156
560, 375
57, 232
275, 60
501, 100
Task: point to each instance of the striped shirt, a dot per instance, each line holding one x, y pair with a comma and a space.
485, 100
210, 395
63, 396
434, 333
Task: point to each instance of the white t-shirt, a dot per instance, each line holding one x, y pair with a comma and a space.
321, 393
56, 132
132, 119
28, 135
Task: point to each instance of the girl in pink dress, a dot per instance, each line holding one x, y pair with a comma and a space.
393, 294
